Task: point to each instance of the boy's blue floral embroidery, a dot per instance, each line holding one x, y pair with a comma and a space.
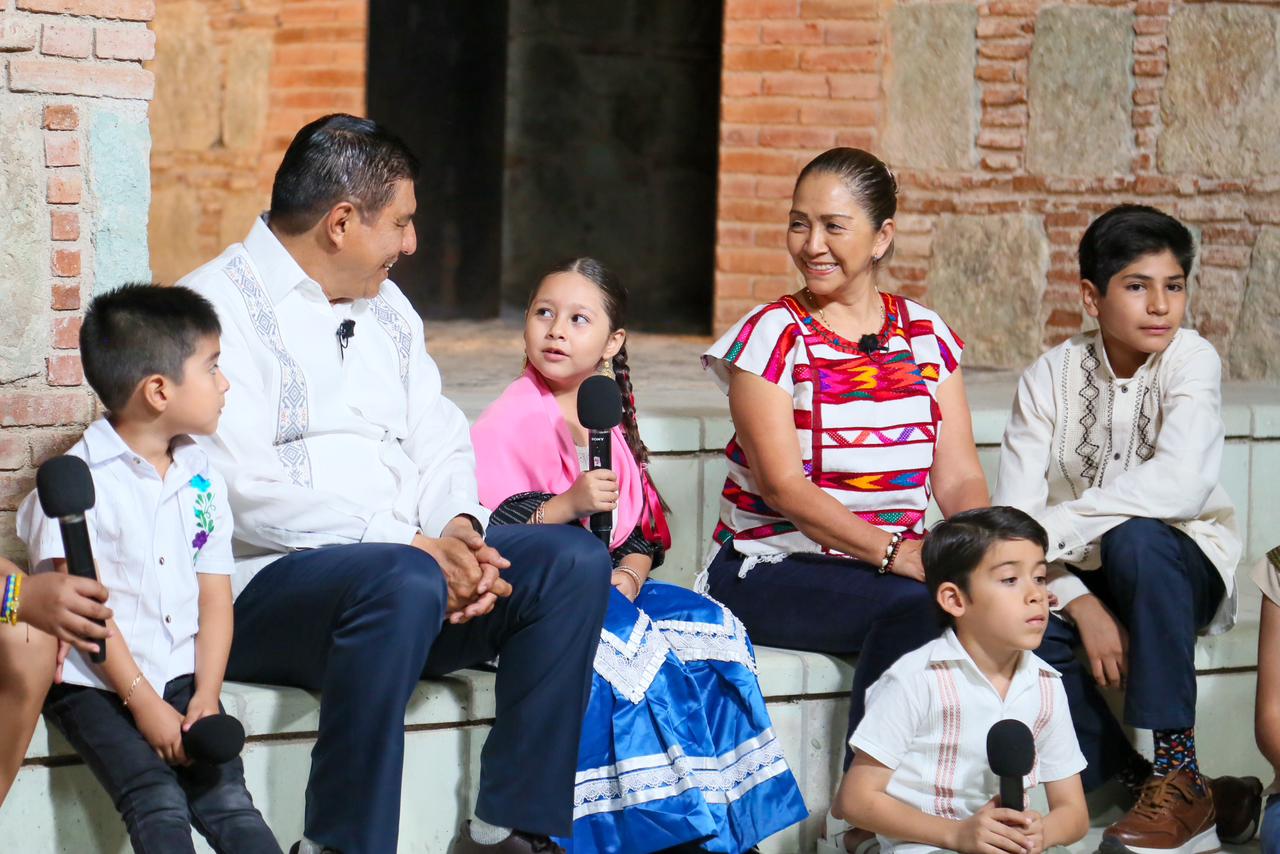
204, 513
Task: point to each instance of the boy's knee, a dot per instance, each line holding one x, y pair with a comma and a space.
1136, 534
1139, 549
152, 799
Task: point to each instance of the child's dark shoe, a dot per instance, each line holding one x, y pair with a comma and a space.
1238, 803
517, 843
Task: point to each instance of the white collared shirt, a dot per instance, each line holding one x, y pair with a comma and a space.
927, 719
150, 538
1085, 451
319, 445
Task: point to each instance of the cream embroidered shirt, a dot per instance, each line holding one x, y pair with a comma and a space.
322, 445
1085, 450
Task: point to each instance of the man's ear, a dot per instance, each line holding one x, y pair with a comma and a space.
155, 392
616, 339
337, 222
952, 599
1090, 296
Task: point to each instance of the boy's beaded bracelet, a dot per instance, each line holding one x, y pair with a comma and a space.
890, 553
12, 592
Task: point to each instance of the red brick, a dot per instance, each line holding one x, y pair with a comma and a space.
1229, 235
864, 138
853, 32
769, 288
839, 9
745, 58
1151, 26
65, 296
994, 72
1141, 67
735, 32
1001, 27
760, 112
753, 210
1154, 185
1212, 210
66, 262
1226, 256
758, 162
331, 55
840, 59
738, 84
14, 451
776, 187
66, 332
728, 234
64, 225
1149, 46
120, 10
1014, 116
134, 43
17, 35
773, 238
317, 78
320, 12
70, 40
796, 83
65, 187
15, 486
1013, 8
739, 136
862, 113
1154, 7
1001, 162
43, 408
732, 286
63, 370
1146, 97
765, 261
863, 87
61, 117
50, 443
1145, 116
737, 10
742, 186
61, 148
1003, 96
818, 139
94, 80
355, 33
1004, 50
1006, 140
1074, 219
791, 32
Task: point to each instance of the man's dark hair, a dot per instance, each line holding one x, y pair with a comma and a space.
334, 159
139, 330
954, 548
1124, 234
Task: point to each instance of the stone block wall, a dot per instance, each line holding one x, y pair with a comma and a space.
74, 143
1010, 125
235, 81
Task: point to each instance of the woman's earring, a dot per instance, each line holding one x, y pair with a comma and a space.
606, 368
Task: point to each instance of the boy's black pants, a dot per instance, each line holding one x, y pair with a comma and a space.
1163, 590
160, 803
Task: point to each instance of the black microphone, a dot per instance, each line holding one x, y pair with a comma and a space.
346, 331
600, 410
870, 343
214, 739
1011, 753
65, 489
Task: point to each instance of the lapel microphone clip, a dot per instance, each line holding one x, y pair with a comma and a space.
346, 331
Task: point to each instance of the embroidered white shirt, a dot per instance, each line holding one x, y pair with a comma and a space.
320, 445
150, 538
1085, 451
927, 719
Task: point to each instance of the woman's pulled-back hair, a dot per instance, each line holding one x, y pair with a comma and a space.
866, 178
615, 305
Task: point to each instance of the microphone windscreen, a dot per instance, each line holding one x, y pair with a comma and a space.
599, 403
64, 486
214, 739
1011, 750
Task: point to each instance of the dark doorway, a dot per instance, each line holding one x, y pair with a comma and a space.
437, 77
554, 128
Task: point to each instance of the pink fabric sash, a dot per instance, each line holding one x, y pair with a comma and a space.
523, 444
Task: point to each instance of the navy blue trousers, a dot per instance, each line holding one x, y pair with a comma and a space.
159, 803
1163, 590
363, 623
837, 605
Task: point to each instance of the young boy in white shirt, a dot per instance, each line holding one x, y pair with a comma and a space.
161, 536
920, 778
1115, 445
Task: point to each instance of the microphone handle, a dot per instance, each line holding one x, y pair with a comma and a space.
75, 541
600, 456
1012, 795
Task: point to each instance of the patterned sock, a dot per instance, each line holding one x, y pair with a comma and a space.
1176, 748
1134, 772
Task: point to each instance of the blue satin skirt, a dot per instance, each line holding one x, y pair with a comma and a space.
677, 746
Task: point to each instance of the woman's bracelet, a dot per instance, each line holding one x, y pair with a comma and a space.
539, 514
635, 576
12, 591
890, 553
132, 687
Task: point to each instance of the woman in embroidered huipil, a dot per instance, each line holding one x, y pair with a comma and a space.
677, 750
850, 413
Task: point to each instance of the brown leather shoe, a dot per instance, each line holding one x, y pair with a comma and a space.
1170, 817
516, 843
1238, 803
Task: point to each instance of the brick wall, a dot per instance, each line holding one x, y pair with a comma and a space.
1062, 110
70, 79
235, 82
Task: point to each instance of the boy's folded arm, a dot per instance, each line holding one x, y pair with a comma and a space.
213, 640
864, 802
1068, 818
1026, 448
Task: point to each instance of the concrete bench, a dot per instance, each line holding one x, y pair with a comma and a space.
56, 806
